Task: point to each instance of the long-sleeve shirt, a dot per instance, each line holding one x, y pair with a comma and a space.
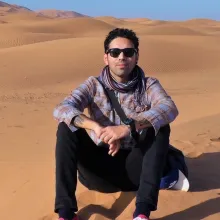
159, 109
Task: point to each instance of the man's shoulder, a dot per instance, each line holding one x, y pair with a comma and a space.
91, 81
92, 84
150, 80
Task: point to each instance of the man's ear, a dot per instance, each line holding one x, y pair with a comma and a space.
106, 59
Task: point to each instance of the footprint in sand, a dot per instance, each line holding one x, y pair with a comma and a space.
188, 147
93, 197
215, 139
86, 198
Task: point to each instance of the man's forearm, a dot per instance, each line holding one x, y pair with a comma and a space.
82, 121
142, 124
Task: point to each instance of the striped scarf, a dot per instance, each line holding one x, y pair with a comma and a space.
137, 83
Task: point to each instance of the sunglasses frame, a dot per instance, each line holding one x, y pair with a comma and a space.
121, 50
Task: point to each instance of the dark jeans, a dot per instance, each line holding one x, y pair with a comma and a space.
139, 169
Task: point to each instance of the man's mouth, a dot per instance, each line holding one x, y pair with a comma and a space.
122, 65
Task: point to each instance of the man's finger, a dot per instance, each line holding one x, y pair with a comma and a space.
103, 135
115, 151
111, 140
114, 148
107, 138
101, 132
110, 152
111, 149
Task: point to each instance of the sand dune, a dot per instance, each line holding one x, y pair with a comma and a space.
157, 22
174, 58
60, 13
77, 26
112, 21
34, 31
6, 8
133, 23
137, 20
122, 23
213, 30
30, 38
61, 52
4, 4
43, 58
208, 26
148, 21
177, 56
170, 29
201, 21
23, 17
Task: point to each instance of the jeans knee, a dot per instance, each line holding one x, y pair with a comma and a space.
62, 129
165, 130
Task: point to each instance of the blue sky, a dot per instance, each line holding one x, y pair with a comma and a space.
154, 9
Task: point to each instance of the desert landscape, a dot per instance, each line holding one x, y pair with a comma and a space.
46, 54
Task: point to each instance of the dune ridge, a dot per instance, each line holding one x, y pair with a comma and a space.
43, 56
53, 13
6, 8
44, 25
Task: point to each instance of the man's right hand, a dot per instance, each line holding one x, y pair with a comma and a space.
113, 147
82, 121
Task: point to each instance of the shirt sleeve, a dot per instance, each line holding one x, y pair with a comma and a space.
162, 108
75, 103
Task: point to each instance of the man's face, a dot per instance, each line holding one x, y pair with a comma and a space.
121, 63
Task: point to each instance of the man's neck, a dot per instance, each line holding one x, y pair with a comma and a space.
119, 79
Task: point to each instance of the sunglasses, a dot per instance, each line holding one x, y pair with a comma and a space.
115, 52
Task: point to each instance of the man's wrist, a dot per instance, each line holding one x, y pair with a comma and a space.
95, 126
127, 128
142, 124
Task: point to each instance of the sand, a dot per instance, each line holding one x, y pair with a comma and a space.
42, 59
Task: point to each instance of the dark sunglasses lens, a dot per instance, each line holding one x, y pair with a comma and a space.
129, 52
114, 52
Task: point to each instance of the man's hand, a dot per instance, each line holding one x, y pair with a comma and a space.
114, 148
111, 134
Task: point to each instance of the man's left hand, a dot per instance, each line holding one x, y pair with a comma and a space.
112, 133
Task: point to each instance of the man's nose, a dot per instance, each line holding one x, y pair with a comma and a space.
121, 56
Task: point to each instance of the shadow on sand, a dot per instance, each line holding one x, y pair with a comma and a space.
204, 175
204, 172
117, 208
197, 212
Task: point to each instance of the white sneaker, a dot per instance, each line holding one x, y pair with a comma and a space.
141, 217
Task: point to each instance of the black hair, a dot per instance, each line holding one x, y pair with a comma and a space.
121, 32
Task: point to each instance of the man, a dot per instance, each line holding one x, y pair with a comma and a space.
108, 151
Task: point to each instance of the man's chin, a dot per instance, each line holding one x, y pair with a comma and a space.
122, 73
